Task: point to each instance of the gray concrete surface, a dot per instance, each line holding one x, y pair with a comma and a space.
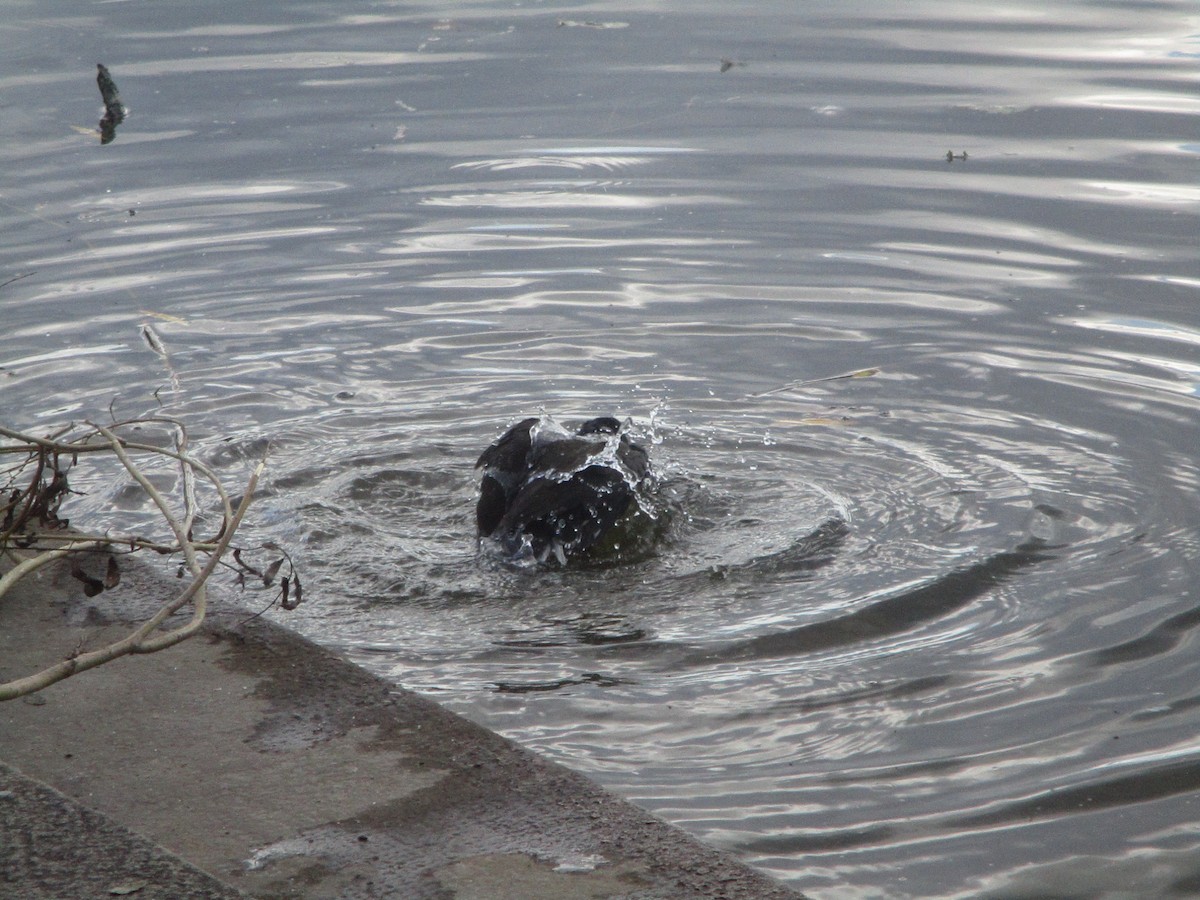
250, 760
52, 847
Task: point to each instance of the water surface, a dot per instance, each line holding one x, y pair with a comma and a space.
924, 632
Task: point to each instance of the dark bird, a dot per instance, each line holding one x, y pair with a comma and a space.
114, 109
547, 493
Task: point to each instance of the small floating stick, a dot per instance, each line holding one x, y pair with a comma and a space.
791, 386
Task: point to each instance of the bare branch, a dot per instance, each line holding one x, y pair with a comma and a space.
36, 537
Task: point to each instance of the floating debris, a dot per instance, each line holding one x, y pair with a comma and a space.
951, 156
793, 385
114, 110
128, 887
727, 64
166, 317
576, 23
16, 278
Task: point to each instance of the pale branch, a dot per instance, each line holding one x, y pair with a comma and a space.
115, 542
85, 446
179, 529
32, 526
33, 563
148, 644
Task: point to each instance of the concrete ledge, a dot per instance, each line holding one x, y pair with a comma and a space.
53, 848
248, 759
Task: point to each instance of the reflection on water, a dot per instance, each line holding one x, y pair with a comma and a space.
925, 632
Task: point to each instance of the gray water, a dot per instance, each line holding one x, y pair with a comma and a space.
925, 632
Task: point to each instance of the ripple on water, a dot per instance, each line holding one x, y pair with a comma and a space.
903, 631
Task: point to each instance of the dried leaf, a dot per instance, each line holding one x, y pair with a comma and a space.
112, 575
291, 586
237, 557
91, 586
272, 571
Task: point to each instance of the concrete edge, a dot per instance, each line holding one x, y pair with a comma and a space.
280, 769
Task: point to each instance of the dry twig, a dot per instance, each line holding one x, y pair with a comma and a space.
33, 534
